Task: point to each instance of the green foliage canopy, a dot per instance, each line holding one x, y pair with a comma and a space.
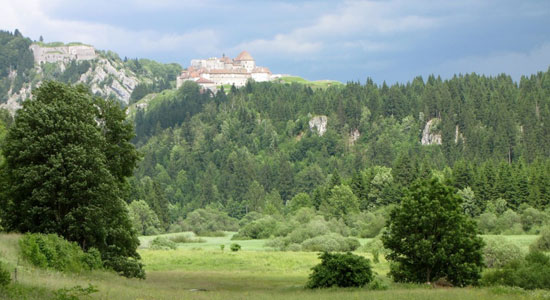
340, 269
67, 159
429, 237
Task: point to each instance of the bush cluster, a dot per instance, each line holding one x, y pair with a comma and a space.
258, 229
184, 238
206, 221
308, 232
341, 270
543, 242
235, 247
531, 272
162, 243
330, 242
499, 252
498, 220
126, 266
5, 276
52, 251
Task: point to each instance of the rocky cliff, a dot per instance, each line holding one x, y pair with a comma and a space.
319, 124
103, 71
431, 134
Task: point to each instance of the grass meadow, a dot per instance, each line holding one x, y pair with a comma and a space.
313, 84
204, 271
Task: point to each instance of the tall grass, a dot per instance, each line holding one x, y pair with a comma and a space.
173, 274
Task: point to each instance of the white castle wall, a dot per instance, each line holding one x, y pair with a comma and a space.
62, 53
238, 79
260, 77
249, 65
225, 71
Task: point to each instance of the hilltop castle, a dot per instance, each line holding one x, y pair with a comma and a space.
212, 72
63, 53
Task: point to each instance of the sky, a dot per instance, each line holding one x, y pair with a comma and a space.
391, 41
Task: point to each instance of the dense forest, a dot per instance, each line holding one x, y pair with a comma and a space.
257, 148
252, 149
16, 62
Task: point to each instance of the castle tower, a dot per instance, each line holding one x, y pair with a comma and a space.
246, 61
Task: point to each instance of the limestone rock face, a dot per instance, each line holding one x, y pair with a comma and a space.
105, 76
354, 136
121, 85
319, 123
430, 134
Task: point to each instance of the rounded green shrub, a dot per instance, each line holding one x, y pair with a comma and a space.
509, 223
162, 243
184, 239
352, 244
341, 270
127, 267
235, 247
543, 242
259, 229
532, 219
487, 223
324, 243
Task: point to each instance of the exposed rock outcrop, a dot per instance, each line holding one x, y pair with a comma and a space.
105, 76
354, 136
458, 135
319, 123
431, 134
121, 85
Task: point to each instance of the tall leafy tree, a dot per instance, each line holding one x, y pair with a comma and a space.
340, 203
429, 237
67, 157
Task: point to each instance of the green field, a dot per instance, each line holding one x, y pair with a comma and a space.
255, 272
313, 84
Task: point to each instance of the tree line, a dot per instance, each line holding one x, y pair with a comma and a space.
239, 149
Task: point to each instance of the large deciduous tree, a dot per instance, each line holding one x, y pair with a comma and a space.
67, 158
429, 237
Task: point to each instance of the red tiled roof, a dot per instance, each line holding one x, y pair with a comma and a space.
244, 56
261, 70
